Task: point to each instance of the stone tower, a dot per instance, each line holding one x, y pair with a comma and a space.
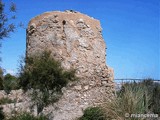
76, 40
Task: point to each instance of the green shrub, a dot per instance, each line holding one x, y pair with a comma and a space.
141, 97
156, 100
5, 101
131, 99
27, 116
1, 78
10, 82
46, 77
1, 83
93, 113
154, 91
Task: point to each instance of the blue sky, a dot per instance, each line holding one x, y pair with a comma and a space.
130, 30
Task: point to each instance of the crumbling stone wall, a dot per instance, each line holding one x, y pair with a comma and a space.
76, 40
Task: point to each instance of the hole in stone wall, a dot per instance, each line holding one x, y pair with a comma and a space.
64, 22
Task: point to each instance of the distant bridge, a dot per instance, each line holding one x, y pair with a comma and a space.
120, 82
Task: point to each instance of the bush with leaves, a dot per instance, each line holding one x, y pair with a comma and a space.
93, 113
1, 78
2, 116
6, 101
10, 82
153, 89
45, 77
156, 99
132, 99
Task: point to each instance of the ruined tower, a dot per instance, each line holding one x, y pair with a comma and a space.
76, 40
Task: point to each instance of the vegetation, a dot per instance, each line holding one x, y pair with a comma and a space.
93, 113
153, 89
10, 82
6, 26
1, 114
1, 79
45, 77
130, 99
6, 101
28, 116
142, 97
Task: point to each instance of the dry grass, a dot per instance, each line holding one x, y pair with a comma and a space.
131, 99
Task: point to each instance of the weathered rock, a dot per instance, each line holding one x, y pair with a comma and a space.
20, 102
74, 39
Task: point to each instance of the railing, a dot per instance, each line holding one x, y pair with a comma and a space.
120, 82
